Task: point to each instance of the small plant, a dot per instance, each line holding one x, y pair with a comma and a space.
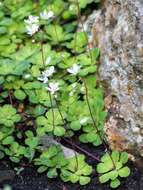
8, 115
76, 170
51, 160
32, 144
46, 123
112, 167
48, 87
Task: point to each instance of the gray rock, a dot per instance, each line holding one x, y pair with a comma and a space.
47, 141
117, 30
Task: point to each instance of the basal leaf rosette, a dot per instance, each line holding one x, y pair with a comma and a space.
50, 161
52, 122
112, 168
77, 170
8, 115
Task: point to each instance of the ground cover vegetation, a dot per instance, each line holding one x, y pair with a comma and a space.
48, 87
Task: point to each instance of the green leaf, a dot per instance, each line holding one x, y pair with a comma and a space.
104, 178
55, 32
1, 155
39, 110
1, 79
118, 165
14, 159
91, 137
87, 170
19, 94
113, 174
1, 135
75, 125
57, 117
42, 169
41, 121
32, 143
124, 157
8, 140
105, 157
83, 138
115, 183
124, 172
84, 180
110, 175
115, 156
104, 167
52, 173
52, 151
74, 178
59, 131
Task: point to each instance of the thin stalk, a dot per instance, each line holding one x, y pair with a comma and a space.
94, 123
86, 91
85, 34
43, 61
65, 125
83, 150
53, 115
42, 52
56, 100
10, 98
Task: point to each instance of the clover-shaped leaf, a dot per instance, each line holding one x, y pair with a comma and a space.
8, 115
76, 170
111, 167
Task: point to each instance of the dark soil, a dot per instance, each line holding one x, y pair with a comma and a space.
29, 179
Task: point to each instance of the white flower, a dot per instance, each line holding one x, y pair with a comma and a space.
83, 120
27, 76
71, 93
49, 72
48, 60
32, 20
32, 29
45, 74
53, 87
73, 89
74, 70
44, 79
32, 24
74, 85
46, 15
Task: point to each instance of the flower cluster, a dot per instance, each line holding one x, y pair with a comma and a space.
74, 70
53, 87
32, 23
46, 15
32, 26
46, 74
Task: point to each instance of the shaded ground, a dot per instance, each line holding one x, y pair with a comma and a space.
29, 179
